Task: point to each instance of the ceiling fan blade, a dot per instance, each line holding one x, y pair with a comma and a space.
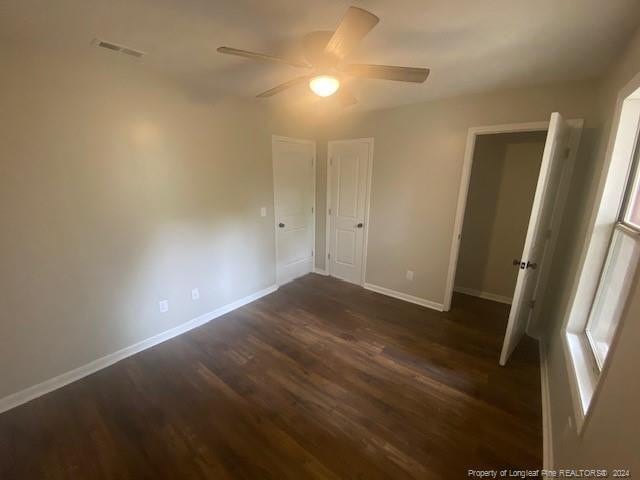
355, 24
388, 72
283, 86
261, 57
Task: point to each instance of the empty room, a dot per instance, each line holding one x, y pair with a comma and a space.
319, 239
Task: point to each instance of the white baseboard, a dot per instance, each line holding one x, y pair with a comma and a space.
320, 271
547, 432
54, 383
404, 296
485, 295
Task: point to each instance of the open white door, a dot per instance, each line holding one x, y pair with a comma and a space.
294, 200
547, 208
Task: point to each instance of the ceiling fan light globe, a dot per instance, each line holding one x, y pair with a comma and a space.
324, 85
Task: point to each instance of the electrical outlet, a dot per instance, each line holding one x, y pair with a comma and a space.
164, 306
195, 294
410, 275
263, 212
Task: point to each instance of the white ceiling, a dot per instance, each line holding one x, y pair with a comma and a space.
470, 45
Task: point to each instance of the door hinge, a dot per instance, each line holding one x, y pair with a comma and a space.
311, 209
312, 253
329, 256
532, 304
329, 211
331, 162
312, 159
567, 152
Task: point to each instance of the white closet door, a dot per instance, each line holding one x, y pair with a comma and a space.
294, 190
349, 183
538, 232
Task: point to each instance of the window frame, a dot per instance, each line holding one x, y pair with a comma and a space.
625, 227
622, 229
611, 201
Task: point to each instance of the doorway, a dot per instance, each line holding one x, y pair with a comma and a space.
543, 222
294, 206
349, 171
503, 182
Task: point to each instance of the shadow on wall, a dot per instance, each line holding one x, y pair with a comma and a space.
479, 218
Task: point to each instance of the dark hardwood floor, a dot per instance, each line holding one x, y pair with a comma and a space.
321, 379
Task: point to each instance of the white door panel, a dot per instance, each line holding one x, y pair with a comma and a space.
536, 247
294, 192
348, 168
349, 176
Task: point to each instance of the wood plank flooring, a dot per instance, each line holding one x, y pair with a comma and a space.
320, 380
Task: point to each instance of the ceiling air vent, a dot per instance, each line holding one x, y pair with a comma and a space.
117, 48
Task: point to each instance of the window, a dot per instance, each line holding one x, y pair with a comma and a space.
610, 259
617, 274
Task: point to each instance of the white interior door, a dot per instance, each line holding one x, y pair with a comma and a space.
349, 178
546, 204
294, 199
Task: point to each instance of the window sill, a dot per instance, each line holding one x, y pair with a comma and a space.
582, 373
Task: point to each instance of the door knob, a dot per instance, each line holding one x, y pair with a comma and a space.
281, 225
532, 266
519, 263
360, 225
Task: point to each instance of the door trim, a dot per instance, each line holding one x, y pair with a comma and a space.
367, 204
280, 138
465, 179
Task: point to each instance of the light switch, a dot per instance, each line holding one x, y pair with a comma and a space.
164, 306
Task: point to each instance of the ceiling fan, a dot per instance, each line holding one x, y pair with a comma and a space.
325, 53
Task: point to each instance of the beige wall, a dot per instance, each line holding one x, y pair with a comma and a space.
611, 438
417, 166
117, 190
503, 182
321, 204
